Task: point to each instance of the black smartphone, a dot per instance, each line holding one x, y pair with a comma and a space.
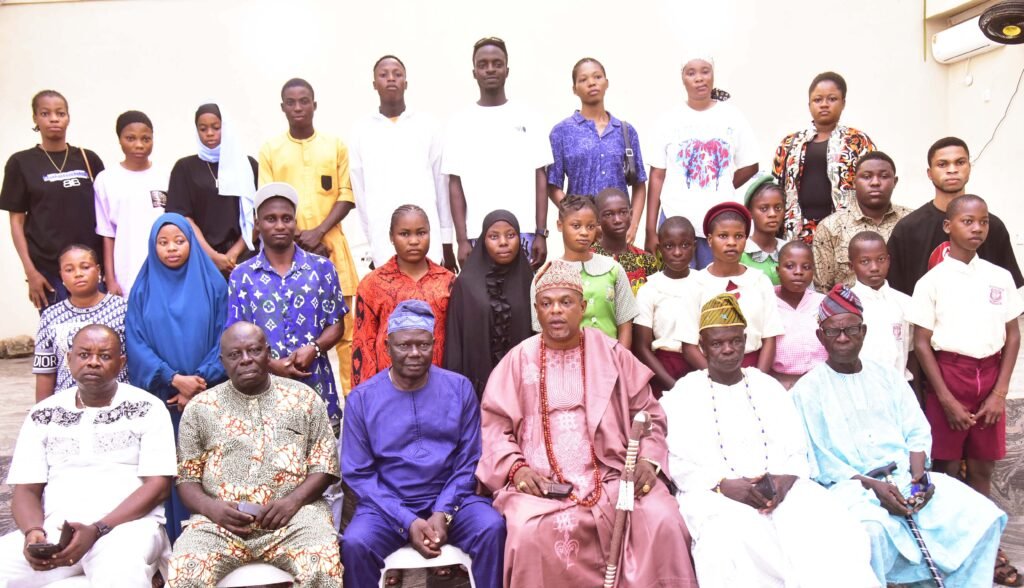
556, 490
766, 487
47, 550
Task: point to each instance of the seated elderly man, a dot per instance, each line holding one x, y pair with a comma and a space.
738, 450
103, 454
558, 408
412, 443
860, 416
255, 456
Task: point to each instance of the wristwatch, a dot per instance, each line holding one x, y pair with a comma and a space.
448, 518
542, 233
101, 528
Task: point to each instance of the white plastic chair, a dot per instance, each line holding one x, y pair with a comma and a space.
408, 558
255, 574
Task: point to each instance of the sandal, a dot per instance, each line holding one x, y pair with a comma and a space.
1005, 574
393, 578
444, 572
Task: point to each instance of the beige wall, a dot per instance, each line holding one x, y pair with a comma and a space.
165, 57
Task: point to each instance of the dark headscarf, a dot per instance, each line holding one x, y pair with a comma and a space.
175, 317
489, 310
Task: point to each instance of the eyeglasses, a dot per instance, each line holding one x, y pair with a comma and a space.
407, 347
849, 331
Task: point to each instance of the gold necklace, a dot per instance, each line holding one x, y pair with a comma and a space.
67, 151
78, 397
216, 182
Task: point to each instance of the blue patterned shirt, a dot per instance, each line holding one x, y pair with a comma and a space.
591, 162
293, 310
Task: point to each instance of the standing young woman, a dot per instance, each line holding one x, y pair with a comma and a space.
48, 191
489, 309
816, 166
214, 190
409, 274
85, 304
129, 197
590, 147
176, 359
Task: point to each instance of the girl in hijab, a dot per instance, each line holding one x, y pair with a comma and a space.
176, 313
214, 190
489, 309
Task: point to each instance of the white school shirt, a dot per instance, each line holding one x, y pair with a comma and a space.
92, 459
127, 204
756, 295
398, 162
496, 151
966, 306
890, 336
660, 301
700, 150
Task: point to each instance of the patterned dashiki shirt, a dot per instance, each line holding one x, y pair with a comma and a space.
638, 264
293, 310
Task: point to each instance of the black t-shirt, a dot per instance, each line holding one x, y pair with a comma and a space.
920, 232
60, 207
815, 189
192, 192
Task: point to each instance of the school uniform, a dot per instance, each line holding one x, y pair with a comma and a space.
660, 301
890, 336
966, 306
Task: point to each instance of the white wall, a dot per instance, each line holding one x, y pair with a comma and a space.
165, 57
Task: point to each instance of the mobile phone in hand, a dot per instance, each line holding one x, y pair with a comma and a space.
556, 490
251, 508
766, 487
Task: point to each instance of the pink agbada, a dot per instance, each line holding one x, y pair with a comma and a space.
556, 542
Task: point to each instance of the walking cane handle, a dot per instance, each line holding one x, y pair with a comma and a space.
882, 472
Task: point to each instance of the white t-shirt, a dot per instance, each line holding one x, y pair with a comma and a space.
700, 151
92, 459
392, 163
496, 151
127, 203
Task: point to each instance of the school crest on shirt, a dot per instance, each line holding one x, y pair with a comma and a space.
897, 331
995, 295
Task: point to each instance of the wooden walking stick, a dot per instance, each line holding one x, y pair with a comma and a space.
641, 426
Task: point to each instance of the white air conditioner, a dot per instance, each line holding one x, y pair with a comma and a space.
960, 42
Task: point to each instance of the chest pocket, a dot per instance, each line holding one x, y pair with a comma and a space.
328, 178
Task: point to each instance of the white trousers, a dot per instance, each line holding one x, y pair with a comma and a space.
807, 542
127, 557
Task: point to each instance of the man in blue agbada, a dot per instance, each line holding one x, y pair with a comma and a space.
861, 415
411, 445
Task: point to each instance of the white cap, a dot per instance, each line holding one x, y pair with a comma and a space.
276, 190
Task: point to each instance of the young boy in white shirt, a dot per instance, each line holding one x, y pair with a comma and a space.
965, 310
889, 339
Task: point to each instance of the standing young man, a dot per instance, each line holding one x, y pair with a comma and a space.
291, 294
917, 235
489, 155
317, 166
395, 160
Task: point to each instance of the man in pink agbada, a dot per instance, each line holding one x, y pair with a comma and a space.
557, 409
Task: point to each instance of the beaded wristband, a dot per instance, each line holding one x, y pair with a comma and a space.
515, 468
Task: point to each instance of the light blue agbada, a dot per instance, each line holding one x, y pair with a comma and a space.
858, 422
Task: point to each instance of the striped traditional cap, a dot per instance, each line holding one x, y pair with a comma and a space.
840, 300
722, 311
558, 274
410, 315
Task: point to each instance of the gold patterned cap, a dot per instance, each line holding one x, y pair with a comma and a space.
558, 274
722, 311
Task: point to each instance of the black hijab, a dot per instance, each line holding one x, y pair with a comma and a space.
489, 309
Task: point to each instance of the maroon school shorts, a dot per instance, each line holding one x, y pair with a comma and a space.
676, 365
970, 381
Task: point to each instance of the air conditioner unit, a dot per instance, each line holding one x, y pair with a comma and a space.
960, 42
